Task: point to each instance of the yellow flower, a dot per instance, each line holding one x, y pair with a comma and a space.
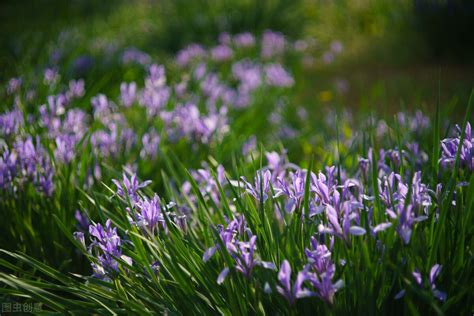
325, 96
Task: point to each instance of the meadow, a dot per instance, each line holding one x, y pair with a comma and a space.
236, 157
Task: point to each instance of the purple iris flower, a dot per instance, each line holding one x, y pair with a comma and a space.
150, 142
294, 192
326, 289
277, 163
277, 76
128, 93
8, 169
208, 186
450, 147
14, 85
321, 270
244, 40
186, 55
394, 192
76, 89
273, 44
262, 185
32, 164
129, 187
243, 252
221, 53
246, 259
342, 207
228, 235
51, 76
82, 221
82, 65
106, 237
249, 146
150, 214
292, 293
319, 257
434, 273
108, 245
134, 55
101, 106
11, 122
65, 148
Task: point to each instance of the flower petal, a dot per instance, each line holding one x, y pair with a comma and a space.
357, 230
222, 275
208, 254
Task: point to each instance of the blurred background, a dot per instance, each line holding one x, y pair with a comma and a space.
394, 53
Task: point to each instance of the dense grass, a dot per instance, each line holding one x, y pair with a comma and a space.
266, 196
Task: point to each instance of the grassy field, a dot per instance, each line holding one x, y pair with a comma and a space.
236, 157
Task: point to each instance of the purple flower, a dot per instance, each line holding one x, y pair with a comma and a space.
108, 246
150, 214
221, 53
300, 45
394, 192
434, 272
277, 163
181, 88
79, 236
249, 75
106, 238
150, 143
187, 122
133, 55
321, 270
116, 136
293, 192
128, 188
324, 285
450, 146
243, 252
82, 64
277, 76
186, 55
292, 293
76, 89
8, 169
224, 38
11, 122
14, 85
82, 221
156, 93
246, 259
32, 164
244, 40
249, 146
328, 57
51, 76
336, 47
273, 44
156, 77
101, 105
200, 71
208, 186
414, 123
227, 235
65, 148
319, 257
262, 185
128, 93
342, 207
